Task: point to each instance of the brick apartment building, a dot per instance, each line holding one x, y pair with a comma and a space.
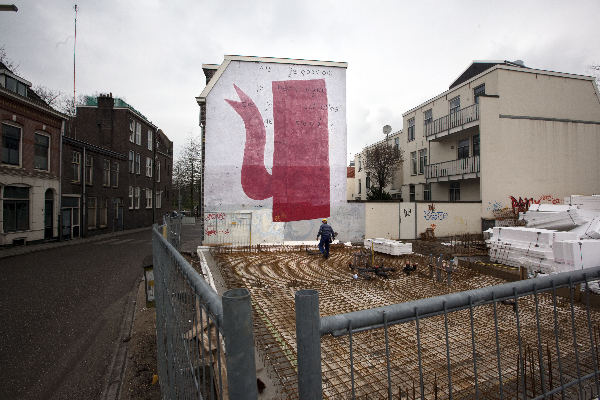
117, 169
29, 162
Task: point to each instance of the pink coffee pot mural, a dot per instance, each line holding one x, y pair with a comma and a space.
299, 183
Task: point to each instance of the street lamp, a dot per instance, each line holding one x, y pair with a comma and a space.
8, 7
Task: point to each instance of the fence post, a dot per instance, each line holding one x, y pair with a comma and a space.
308, 338
239, 344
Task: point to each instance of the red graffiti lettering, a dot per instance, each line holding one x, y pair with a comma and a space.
522, 205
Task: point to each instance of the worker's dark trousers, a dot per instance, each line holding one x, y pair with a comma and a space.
324, 246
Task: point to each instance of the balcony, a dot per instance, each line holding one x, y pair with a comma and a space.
453, 122
464, 168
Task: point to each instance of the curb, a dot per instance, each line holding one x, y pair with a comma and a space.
116, 372
17, 251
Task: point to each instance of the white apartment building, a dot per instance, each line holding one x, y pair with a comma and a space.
503, 132
363, 179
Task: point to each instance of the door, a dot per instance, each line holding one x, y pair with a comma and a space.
48, 214
66, 223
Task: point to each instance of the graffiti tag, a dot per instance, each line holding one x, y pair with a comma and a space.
407, 213
522, 205
214, 216
435, 215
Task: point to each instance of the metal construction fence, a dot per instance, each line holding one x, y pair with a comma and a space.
205, 342
227, 228
530, 339
172, 227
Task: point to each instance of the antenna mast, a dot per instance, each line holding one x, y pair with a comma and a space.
74, 47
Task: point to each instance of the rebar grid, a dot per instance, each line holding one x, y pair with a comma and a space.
274, 276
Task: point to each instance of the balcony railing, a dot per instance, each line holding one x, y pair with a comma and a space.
452, 120
452, 168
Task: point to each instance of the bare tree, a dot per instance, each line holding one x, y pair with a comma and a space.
186, 172
10, 64
381, 161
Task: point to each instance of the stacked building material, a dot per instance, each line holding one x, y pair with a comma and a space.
558, 237
527, 247
388, 246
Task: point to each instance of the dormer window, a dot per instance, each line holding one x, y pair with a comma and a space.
13, 85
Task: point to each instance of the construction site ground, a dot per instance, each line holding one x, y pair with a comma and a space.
273, 275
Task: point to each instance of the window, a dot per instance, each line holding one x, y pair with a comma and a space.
76, 163
359, 164
148, 166
15, 86
131, 197
422, 160
454, 105
137, 198
359, 187
41, 152
131, 131
103, 212
411, 129
137, 163
149, 139
478, 91
16, 208
428, 117
89, 169
368, 180
114, 174
427, 192
11, 144
413, 163
158, 171
396, 143
158, 199
148, 198
463, 149
475, 145
138, 133
411, 192
106, 173
455, 191
131, 162
91, 212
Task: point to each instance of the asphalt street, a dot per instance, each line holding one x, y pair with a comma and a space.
61, 311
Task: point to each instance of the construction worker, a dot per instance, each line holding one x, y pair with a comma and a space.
326, 233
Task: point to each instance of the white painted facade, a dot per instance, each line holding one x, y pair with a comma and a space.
225, 142
538, 133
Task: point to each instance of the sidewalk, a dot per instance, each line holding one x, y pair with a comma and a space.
32, 248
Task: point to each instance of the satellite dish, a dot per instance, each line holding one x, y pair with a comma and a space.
387, 129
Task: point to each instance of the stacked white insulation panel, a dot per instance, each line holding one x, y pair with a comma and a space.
528, 247
388, 246
558, 237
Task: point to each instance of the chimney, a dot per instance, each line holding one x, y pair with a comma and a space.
106, 101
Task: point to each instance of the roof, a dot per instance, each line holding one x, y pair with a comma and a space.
350, 172
32, 97
228, 58
478, 66
92, 101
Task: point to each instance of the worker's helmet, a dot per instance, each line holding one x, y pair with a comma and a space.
324, 220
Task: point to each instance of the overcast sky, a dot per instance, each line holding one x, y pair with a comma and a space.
399, 54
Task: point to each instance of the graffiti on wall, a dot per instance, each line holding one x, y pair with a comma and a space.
523, 204
299, 181
435, 215
407, 212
